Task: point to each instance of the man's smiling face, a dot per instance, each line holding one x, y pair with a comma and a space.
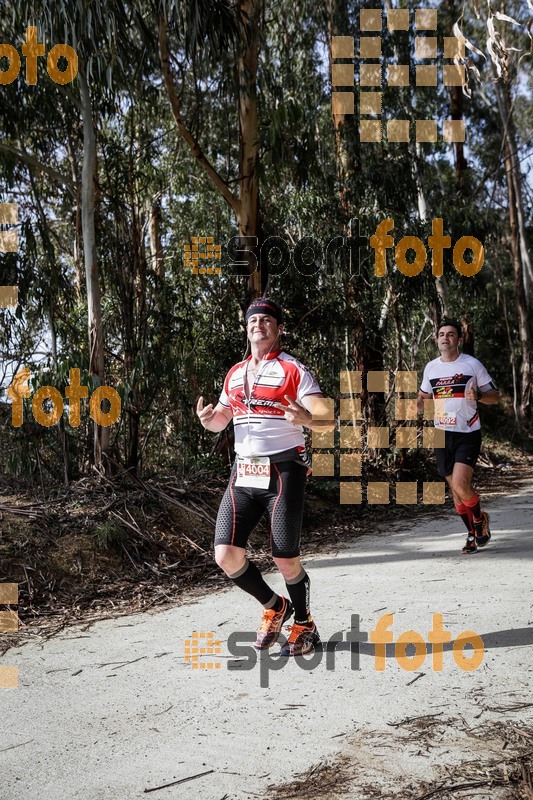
264, 329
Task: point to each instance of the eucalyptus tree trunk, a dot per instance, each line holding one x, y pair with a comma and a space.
417, 162
248, 218
456, 113
516, 176
157, 261
245, 205
441, 285
94, 307
365, 330
456, 107
78, 270
344, 125
50, 313
521, 279
134, 308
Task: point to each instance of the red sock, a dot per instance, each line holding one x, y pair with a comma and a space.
466, 515
473, 505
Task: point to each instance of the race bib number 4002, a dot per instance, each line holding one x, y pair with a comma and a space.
448, 419
253, 472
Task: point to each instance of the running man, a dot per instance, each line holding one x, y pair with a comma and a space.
270, 396
457, 382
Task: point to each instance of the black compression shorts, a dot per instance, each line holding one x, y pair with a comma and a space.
242, 507
460, 448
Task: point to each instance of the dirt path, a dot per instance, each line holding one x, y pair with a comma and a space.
110, 710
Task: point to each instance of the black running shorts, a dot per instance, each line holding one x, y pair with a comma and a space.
462, 448
242, 507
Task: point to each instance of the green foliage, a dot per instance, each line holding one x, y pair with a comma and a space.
169, 335
109, 535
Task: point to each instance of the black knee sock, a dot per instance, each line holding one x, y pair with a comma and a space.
250, 580
299, 592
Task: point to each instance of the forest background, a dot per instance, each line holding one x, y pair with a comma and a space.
214, 119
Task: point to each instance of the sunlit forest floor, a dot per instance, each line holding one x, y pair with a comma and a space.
103, 548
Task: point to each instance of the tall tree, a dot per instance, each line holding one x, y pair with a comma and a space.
505, 73
245, 27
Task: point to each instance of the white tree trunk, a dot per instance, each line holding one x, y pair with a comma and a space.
94, 307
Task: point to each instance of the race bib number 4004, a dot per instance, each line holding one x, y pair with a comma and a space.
253, 472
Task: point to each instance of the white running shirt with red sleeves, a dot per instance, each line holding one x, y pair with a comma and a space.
261, 429
448, 381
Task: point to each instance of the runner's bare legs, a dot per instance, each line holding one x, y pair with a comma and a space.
460, 482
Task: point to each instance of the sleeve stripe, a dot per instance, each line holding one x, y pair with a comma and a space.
487, 387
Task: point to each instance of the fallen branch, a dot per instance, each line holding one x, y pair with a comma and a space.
413, 719
456, 787
22, 511
420, 675
182, 780
13, 746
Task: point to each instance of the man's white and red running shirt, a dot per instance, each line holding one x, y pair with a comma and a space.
448, 381
261, 429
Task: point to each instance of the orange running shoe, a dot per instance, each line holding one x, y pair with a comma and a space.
271, 624
303, 639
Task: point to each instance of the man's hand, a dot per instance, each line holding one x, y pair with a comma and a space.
299, 415
488, 398
294, 412
213, 419
205, 415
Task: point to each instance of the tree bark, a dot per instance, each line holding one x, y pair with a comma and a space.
366, 334
526, 389
468, 337
156, 247
94, 307
344, 125
456, 104
248, 218
456, 113
246, 205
